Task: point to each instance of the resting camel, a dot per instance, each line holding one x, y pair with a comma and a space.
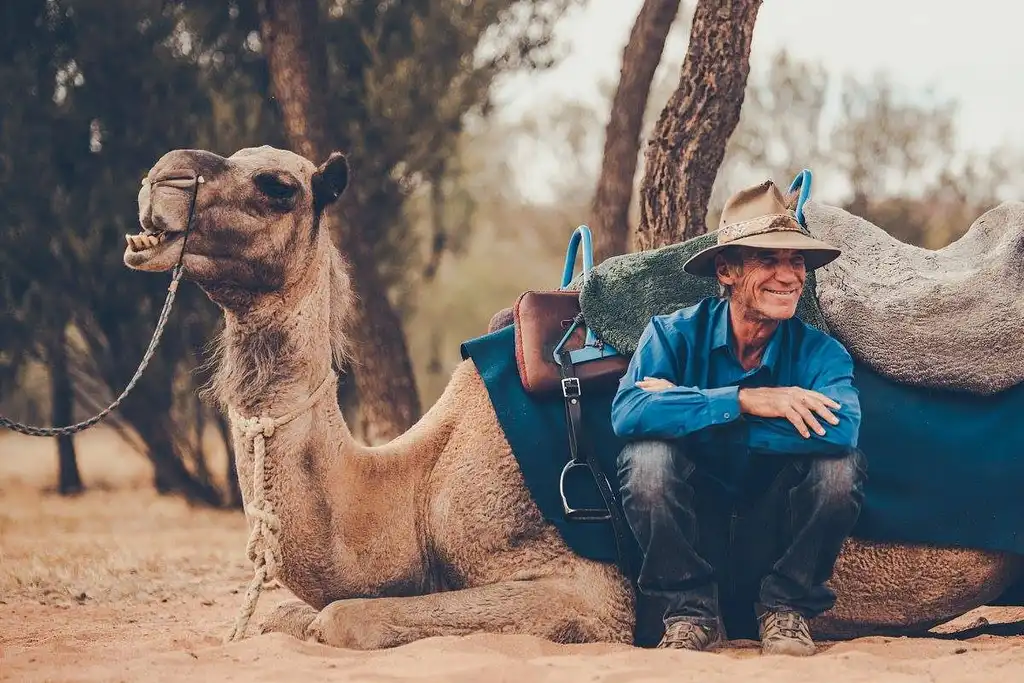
434, 533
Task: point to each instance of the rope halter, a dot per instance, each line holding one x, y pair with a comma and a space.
264, 547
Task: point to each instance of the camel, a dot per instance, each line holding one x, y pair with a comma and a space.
434, 533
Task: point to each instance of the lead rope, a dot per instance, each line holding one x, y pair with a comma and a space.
264, 547
165, 313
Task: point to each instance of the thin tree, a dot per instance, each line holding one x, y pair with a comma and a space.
388, 399
689, 141
640, 58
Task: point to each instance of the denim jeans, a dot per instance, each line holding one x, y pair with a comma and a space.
777, 542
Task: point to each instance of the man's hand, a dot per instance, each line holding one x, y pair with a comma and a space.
793, 403
654, 384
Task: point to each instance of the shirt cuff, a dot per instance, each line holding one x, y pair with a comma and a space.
723, 404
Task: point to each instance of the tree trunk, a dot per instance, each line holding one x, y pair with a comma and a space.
296, 62
695, 126
234, 493
62, 401
610, 210
388, 399
152, 422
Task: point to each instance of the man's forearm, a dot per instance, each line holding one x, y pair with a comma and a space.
779, 435
672, 413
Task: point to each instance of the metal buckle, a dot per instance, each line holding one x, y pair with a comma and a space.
571, 387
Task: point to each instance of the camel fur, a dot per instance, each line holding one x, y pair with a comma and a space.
434, 533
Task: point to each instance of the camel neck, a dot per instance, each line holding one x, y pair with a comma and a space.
276, 355
274, 360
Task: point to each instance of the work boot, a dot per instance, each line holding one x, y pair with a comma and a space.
690, 635
785, 632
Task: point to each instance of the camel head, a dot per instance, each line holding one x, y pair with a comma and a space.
256, 221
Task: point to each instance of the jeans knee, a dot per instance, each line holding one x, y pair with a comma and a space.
839, 481
648, 471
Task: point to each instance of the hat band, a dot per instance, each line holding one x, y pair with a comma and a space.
779, 223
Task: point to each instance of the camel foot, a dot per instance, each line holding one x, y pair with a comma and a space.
292, 617
355, 624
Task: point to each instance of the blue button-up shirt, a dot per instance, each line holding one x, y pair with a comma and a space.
692, 349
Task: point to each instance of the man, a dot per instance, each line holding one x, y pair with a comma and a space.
738, 402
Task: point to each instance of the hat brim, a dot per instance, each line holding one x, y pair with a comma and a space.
816, 253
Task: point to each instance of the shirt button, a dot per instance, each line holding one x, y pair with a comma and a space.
726, 416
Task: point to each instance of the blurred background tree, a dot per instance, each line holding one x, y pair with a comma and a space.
93, 92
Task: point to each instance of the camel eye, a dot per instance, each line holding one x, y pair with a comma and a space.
275, 188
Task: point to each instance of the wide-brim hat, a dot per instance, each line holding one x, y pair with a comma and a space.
757, 217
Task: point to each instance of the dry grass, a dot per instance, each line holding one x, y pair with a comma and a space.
118, 543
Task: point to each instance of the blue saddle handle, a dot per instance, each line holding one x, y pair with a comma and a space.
581, 234
802, 181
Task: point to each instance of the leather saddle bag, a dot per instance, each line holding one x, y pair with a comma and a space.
542, 320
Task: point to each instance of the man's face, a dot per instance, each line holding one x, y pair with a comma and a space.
766, 284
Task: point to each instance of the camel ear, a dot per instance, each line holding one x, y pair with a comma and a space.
330, 180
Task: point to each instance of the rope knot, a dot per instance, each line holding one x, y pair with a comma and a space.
258, 426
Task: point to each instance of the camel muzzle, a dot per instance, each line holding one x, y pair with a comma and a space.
166, 211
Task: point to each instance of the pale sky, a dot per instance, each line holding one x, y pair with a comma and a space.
970, 51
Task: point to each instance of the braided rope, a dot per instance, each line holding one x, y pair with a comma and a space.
263, 547
72, 429
165, 313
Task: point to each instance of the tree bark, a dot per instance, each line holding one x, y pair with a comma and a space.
689, 143
388, 399
295, 60
62, 401
234, 492
149, 415
610, 209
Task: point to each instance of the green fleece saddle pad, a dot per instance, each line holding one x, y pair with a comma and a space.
949, 318
623, 293
944, 467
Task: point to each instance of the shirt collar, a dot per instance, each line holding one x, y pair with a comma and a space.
720, 328
721, 337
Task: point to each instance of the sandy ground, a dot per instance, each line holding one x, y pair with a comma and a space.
123, 585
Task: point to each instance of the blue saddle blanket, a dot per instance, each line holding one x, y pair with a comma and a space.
944, 468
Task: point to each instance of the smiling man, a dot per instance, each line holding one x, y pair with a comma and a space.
741, 423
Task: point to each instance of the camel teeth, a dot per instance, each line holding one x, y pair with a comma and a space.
143, 240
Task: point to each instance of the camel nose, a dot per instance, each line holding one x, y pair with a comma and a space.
182, 164
145, 204
165, 198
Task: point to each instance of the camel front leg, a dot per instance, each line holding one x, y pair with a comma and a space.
557, 609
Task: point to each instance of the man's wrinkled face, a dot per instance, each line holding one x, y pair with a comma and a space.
766, 283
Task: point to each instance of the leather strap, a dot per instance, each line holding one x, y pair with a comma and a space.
579, 450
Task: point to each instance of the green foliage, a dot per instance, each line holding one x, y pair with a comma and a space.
93, 94
95, 91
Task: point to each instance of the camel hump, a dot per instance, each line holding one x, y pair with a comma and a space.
946, 318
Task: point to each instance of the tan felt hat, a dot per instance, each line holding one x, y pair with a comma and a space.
757, 217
